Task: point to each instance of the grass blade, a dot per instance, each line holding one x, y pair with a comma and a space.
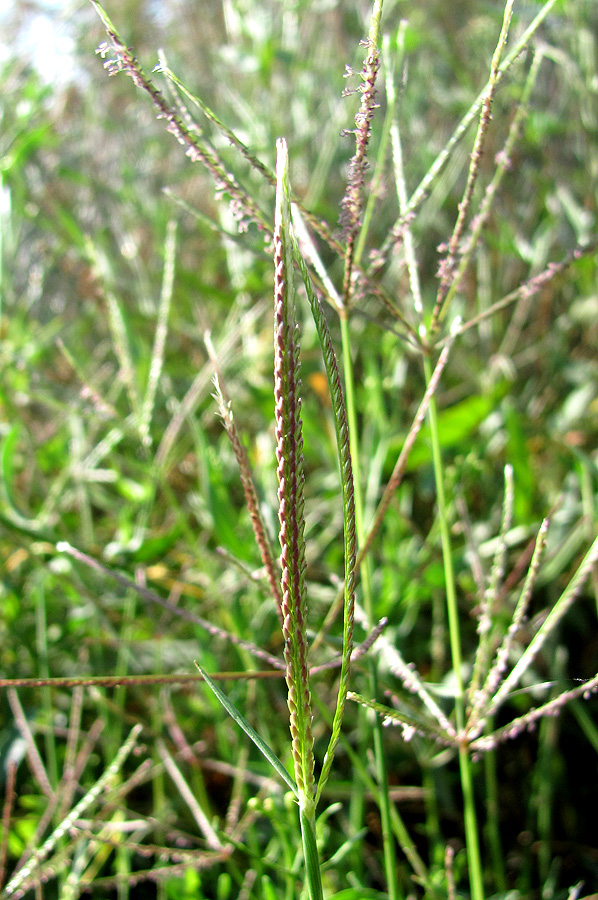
249, 731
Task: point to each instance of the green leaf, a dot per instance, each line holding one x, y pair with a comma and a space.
455, 426
249, 731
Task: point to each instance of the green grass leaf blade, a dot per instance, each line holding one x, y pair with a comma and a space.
249, 731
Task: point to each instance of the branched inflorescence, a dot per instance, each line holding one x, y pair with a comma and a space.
477, 732
243, 208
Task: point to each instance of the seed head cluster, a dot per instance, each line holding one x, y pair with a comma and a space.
289, 455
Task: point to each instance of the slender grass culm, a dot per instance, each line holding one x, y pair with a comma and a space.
316, 415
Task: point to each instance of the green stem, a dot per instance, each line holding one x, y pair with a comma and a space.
492, 820
390, 862
465, 766
310, 852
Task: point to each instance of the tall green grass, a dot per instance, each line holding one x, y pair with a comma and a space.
434, 503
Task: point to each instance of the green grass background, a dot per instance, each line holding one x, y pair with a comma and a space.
90, 181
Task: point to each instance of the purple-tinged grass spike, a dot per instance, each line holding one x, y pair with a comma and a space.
346, 470
447, 267
352, 202
289, 455
243, 207
257, 522
528, 721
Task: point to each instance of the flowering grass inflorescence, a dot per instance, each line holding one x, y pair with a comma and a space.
395, 559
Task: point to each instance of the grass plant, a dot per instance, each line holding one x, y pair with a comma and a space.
422, 440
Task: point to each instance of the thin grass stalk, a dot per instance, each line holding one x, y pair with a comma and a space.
33, 758
233, 812
544, 780
7, 809
156, 874
122, 350
492, 829
589, 510
503, 159
122, 857
447, 266
390, 489
402, 196
186, 794
390, 863
69, 779
471, 827
152, 597
474, 559
113, 681
123, 656
120, 339
41, 641
159, 719
77, 448
586, 723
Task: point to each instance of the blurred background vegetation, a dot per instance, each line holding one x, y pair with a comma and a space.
90, 181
